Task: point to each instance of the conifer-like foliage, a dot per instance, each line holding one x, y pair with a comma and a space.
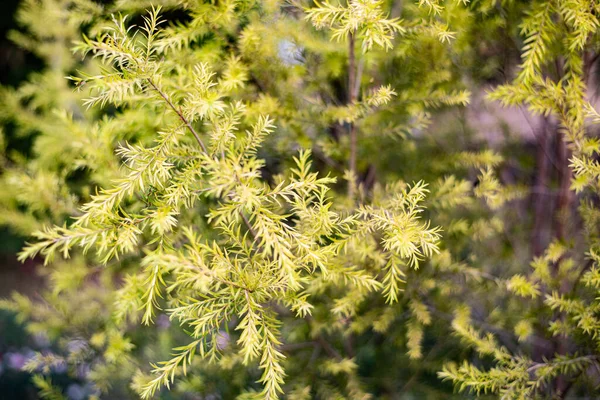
264, 245
560, 283
264, 199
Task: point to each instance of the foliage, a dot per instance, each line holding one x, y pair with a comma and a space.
205, 181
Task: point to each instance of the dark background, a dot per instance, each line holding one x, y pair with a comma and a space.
15, 64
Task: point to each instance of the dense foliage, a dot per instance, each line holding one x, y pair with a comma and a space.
264, 199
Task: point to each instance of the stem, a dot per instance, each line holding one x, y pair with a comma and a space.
324, 344
562, 217
590, 358
352, 96
565, 197
329, 349
178, 112
193, 131
539, 198
248, 225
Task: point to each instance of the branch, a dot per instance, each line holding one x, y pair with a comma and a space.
178, 112
193, 131
352, 96
248, 225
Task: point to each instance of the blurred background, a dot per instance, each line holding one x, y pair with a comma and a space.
16, 64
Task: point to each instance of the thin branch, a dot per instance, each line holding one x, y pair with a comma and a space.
352, 96
193, 131
329, 349
248, 225
590, 358
324, 344
178, 112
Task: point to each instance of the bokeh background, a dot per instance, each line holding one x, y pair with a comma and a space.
16, 65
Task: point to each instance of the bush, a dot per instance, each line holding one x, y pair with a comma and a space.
295, 198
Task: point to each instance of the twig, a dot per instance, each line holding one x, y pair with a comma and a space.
352, 96
200, 142
248, 225
178, 112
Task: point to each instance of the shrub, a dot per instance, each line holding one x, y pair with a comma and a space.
256, 171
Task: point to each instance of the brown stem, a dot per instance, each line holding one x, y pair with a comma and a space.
562, 217
539, 198
565, 196
324, 344
200, 142
329, 349
179, 113
589, 61
248, 225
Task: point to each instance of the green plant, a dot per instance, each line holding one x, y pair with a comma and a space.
219, 169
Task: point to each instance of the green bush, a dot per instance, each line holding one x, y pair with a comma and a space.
245, 199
